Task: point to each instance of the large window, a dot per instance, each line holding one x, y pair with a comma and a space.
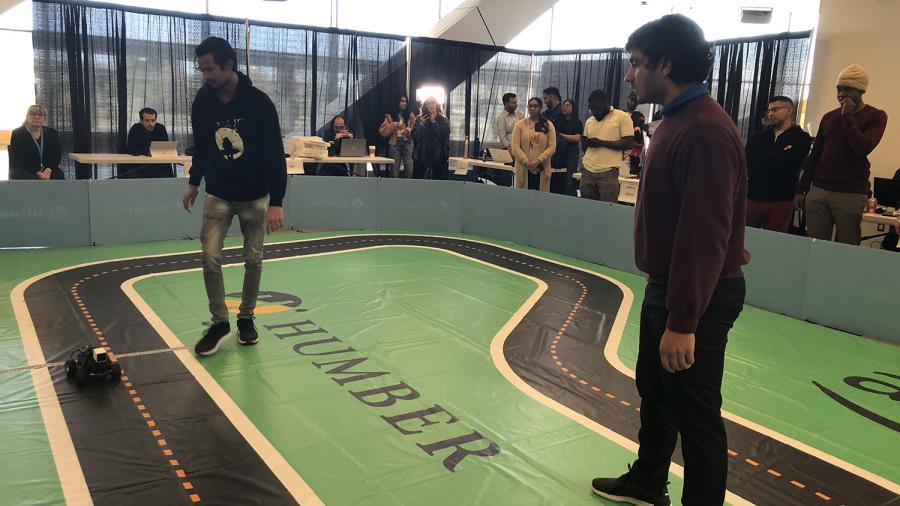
582, 24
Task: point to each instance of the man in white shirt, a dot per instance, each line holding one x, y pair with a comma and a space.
607, 133
507, 119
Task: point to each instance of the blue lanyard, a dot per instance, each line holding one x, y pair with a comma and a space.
40, 146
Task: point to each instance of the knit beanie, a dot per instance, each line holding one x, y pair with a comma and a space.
854, 76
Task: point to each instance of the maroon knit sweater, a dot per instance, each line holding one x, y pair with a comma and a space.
691, 208
839, 160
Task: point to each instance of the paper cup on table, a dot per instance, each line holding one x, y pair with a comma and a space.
372, 151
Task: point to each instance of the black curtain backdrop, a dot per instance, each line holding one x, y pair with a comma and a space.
93, 92
577, 75
748, 72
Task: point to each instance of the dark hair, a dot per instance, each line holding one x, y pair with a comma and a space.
781, 98
553, 90
146, 110
402, 115
541, 125
507, 97
574, 107
678, 40
331, 123
220, 49
598, 96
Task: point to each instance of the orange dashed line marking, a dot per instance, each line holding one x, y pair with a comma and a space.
564, 370
625, 403
558, 363
583, 382
611, 396
573, 376
751, 462
823, 496
797, 484
595, 389
195, 498
732, 453
774, 473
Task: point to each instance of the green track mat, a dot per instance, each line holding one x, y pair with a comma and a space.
427, 318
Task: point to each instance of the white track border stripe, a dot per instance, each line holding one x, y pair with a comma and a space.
286, 474
74, 487
611, 352
612, 342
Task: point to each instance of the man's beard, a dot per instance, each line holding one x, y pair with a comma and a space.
602, 114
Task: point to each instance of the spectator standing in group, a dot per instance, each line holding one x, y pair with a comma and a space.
568, 144
553, 101
639, 121
607, 134
533, 144
775, 156
835, 178
507, 119
397, 128
431, 134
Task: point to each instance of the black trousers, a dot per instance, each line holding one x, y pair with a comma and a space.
439, 169
688, 402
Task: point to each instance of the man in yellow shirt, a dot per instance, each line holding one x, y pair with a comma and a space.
607, 133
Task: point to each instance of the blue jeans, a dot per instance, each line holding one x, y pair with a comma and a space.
402, 152
217, 217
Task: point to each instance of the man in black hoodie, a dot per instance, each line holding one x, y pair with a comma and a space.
238, 149
774, 158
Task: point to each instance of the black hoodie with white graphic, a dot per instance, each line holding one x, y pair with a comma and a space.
238, 146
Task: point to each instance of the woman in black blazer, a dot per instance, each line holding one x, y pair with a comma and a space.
34, 151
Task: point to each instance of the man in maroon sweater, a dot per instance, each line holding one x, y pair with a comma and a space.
838, 167
689, 239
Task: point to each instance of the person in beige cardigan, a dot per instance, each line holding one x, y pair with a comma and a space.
533, 144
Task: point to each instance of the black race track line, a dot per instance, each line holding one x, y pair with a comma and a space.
123, 464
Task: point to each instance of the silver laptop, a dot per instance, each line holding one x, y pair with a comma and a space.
163, 148
500, 155
353, 147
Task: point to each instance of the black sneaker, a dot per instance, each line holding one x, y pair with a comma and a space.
626, 489
212, 338
247, 331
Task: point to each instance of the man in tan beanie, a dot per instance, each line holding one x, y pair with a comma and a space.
836, 174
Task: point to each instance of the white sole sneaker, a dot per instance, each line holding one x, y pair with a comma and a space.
214, 348
620, 498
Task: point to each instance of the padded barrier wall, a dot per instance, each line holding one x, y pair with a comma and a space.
848, 288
